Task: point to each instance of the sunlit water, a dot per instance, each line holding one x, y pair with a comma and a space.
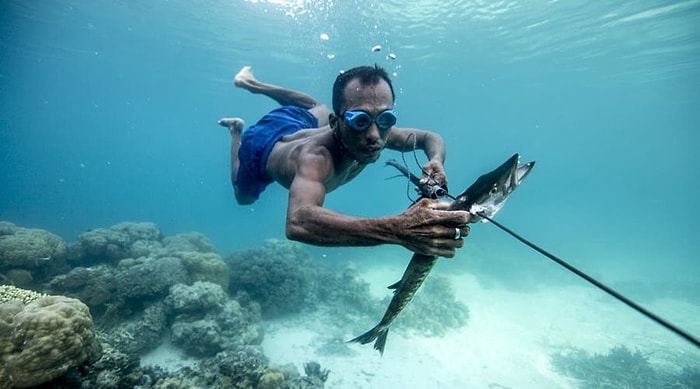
109, 114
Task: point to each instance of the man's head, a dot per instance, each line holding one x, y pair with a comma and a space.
367, 75
363, 101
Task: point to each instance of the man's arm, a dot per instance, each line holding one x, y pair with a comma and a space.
423, 228
404, 139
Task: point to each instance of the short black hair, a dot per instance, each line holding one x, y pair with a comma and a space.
367, 75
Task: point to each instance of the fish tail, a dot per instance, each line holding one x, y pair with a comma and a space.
381, 341
377, 333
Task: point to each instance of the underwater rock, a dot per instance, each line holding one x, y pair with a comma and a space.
41, 340
28, 248
274, 275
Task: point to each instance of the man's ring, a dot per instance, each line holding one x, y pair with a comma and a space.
458, 233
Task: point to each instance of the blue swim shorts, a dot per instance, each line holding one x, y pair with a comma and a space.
257, 142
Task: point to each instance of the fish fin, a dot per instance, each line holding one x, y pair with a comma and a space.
367, 336
374, 333
381, 341
395, 285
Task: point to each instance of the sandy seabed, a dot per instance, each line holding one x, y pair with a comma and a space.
507, 342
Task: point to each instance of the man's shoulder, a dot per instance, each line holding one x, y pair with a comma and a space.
304, 146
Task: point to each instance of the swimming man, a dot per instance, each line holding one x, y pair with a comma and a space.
311, 151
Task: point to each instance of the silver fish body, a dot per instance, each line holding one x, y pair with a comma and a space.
486, 195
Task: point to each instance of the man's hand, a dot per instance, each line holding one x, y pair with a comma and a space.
434, 174
428, 228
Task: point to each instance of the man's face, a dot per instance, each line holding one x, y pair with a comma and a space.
367, 145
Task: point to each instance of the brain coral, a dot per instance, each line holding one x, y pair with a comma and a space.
43, 339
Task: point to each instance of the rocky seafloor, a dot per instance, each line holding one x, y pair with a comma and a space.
85, 313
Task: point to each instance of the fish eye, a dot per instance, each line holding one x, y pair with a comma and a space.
493, 190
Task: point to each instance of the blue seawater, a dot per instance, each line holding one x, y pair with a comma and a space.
108, 113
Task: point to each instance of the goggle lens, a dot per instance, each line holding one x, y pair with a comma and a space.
361, 120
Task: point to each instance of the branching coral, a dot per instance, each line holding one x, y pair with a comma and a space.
8, 293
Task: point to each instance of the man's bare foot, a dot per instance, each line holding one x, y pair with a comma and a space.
233, 124
244, 78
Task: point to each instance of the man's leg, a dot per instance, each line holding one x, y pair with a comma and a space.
245, 79
235, 127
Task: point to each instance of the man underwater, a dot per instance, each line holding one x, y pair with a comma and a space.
311, 151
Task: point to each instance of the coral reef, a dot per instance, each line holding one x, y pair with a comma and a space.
148, 278
204, 266
29, 256
274, 275
114, 369
41, 340
19, 277
142, 333
28, 248
343, 294
222, 328
142, 287
315, 374
272, 378
200, 297
10, 293
95, 286
199, 338
189, 241
621, 368
120, 241
434, 310
198, 256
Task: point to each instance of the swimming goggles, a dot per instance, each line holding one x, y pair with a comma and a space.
361, 120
